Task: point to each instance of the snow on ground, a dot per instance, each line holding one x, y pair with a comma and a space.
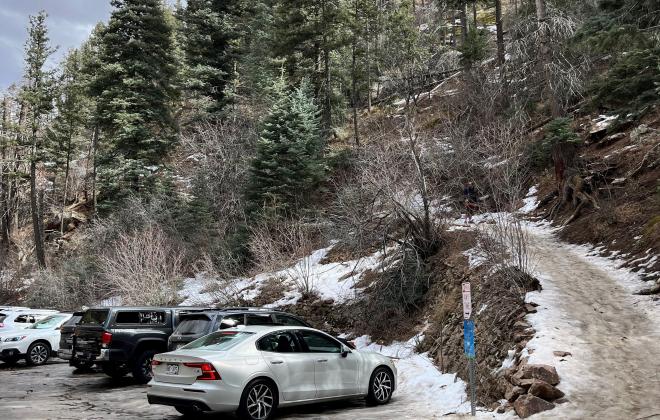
420, 383
531, 201
336, 280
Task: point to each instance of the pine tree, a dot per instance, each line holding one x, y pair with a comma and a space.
288, 162
73, 112
208, 35
135, 93
38, 95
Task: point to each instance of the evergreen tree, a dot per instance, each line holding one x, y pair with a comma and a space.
135, 93
208, 36
38, 96
73, 111
288, 162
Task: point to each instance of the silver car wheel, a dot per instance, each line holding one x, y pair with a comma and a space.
260, 401
382, 387
39, 354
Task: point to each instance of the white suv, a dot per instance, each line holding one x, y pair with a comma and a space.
35, 344
22, 318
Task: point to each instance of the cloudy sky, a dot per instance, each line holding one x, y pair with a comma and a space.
69, 22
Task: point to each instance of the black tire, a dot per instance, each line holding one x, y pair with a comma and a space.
257, 396
114, 371
186, 411
82, 364
11, 361
38, 353
381, 386
142, 367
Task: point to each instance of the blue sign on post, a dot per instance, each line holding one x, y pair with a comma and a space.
468, 338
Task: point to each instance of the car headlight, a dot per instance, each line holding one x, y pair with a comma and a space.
14, 339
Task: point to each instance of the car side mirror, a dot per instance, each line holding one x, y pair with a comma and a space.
344, 351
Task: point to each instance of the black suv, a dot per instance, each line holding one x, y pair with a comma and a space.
66, 341
195, 325
125, 339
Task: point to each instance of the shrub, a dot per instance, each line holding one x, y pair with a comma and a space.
558, 132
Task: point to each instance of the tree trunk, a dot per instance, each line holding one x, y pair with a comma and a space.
66, 182
500, 32
474, 14
327, 108
4, 181
464, 27
37, 223
354, 78
95, 139
544, 58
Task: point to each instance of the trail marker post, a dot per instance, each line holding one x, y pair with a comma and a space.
468, 343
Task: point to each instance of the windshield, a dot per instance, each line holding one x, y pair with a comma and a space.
48, 322
193, 325
219, 341
94, 317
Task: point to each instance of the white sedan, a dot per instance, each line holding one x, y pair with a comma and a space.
36, 343
254, 370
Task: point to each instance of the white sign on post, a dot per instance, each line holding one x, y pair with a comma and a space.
467, 301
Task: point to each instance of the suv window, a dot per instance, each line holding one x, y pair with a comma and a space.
320, 343
260, 319
2, 317
289, 320
140, 317
231, 321
94, 317
192, 325
24, 319
279, 342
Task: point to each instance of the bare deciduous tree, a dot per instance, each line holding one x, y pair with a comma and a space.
144, 268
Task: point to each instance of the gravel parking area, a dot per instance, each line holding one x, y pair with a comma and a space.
57, 391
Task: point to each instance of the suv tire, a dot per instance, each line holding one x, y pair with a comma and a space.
114, 371
38, 353
82, 364
11, 361
381, 386
259, 393
142, 367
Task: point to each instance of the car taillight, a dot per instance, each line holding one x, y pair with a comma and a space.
208, 371
106, 339
2, 325
155, 363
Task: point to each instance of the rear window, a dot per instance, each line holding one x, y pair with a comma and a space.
192, 325
260, 319
140, 317
94, 317
219, 341
2, 317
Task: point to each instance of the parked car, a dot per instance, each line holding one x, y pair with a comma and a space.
124, 339
195, 325
22, 318
66, 342
36, 343
253, 370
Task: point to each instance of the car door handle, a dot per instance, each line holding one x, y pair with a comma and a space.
277, 362
321, 360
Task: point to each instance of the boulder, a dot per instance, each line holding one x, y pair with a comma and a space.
513, 393
561, 353
528, 405
545, 390
530, 308
545, 373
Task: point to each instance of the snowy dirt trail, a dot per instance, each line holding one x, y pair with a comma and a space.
614, 337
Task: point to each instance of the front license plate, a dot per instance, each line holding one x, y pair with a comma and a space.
172, 369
